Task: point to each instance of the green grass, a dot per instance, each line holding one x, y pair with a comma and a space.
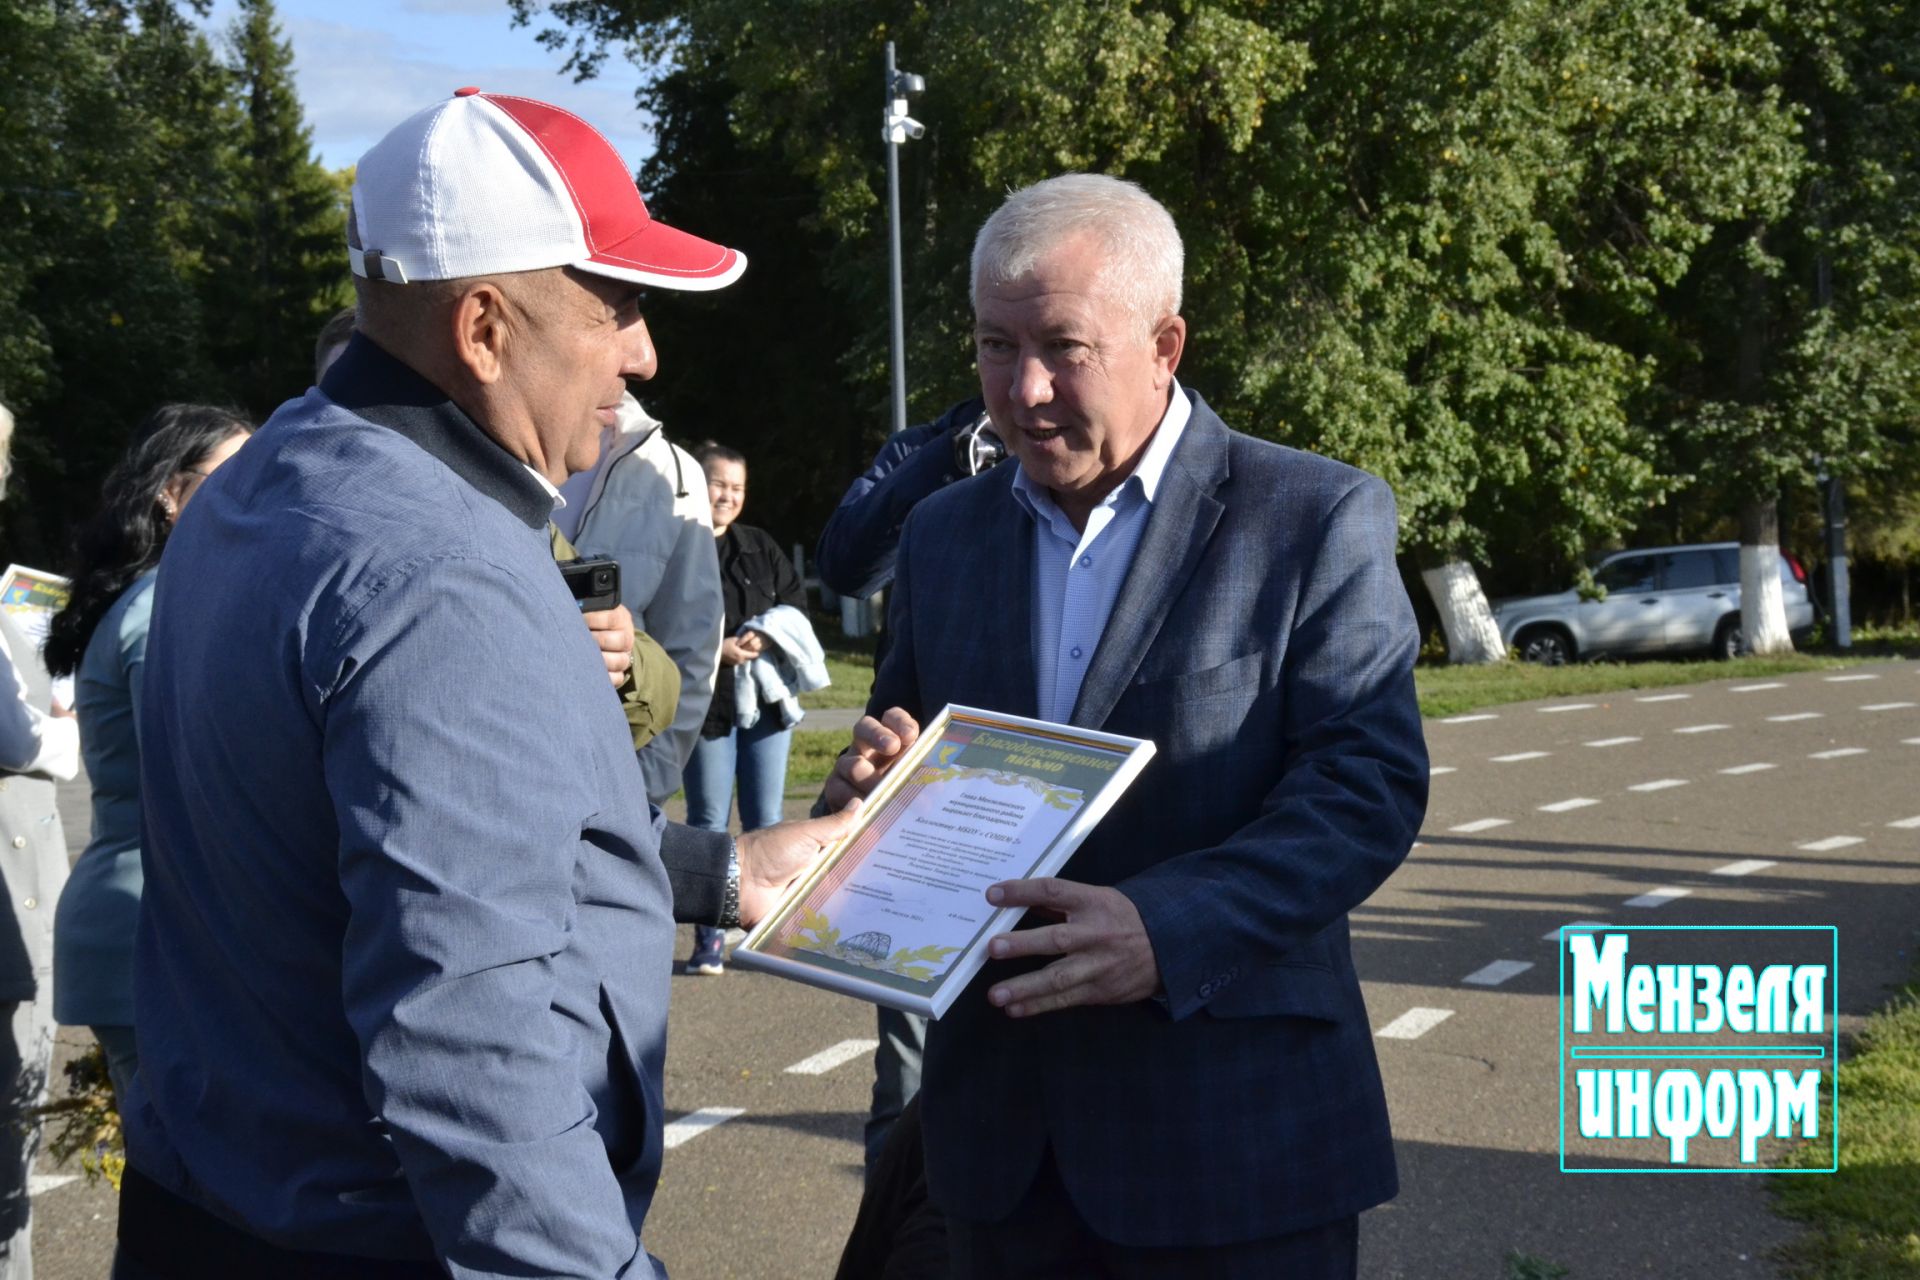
849, 668
1449, 691
1864, 1220
810, 758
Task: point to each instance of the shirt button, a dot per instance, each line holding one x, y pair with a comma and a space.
1086, 562
19, 842
31, 903
1076, 651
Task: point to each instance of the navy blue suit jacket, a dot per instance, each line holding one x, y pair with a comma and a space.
1264, 641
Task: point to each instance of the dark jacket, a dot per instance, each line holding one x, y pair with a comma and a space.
755, 575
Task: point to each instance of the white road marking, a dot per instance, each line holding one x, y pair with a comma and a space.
1659, 785
40, 1183
689, 1127
1837, 753
1911, 742
1568, 806
1798, 715
1518, 756
1745, 867
1659, 897
1665, 697
1570, 706
1481, 824
1906, 824
1755, 688
827, 1059
1610, 742
1554, 935
1414, 1023
1830, 843
1439, 769
1497, 972
1886, 706
1756, 767
1849, 679
1702, 728
1468, 719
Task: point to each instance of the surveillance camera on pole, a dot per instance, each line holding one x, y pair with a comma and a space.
897, 128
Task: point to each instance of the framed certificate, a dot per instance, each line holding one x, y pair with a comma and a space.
896, 912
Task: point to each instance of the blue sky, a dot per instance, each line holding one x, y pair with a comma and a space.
365, 65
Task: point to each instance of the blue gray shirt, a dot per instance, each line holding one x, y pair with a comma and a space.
401, 982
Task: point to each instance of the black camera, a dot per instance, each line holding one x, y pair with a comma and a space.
595, 582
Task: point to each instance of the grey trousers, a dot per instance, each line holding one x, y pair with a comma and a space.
25, 1058
896, 1075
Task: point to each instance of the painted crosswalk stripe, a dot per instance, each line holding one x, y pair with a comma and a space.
1838, 753
1756, 688
1798, 715
1480, 824
1414, 1023
1703, 728
1744, 867
1665, 697
1468, 719
1658, 897
1554, 935
1850, 679
1518, 756
41, 1183
689, 1127
1658, 784
1497, 972
1610, 742
1830, 843
1886, 706
1568, 706
1568, 806
1906, 824
1756, 767
1439, 769
827, 1059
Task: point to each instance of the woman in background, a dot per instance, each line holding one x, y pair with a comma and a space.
755, 575
101, 639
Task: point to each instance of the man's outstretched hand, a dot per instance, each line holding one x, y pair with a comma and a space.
772, 858
876, 744
1105, 954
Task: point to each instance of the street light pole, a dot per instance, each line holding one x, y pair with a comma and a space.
898, 127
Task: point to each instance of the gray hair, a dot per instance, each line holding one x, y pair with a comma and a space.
1140, 244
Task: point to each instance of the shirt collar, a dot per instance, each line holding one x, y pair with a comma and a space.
374, 385
553, 490
1148, 471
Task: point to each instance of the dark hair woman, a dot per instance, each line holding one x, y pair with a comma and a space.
101, 639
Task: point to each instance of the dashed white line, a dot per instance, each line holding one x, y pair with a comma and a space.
1745, 867
41, 1183
1756, 767
827, 1059
1568, 806
689, 1127
1756, 688
1906, 824
1414, 1023
1480, 824
1497, 972
1849, 679
1665, 697
1468, 719
1658, 897
1439, 769
1886, 706
1830, 843
1568, 706
1702, 728
1518, 756
1659, 784
1838, 753
1798, 715
1554, 935
1609, 742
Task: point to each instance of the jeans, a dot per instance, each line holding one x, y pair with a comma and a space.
758, 758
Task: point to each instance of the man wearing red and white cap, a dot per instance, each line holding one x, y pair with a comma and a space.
403, 958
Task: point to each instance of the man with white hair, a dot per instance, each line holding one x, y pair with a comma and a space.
403, 957
1170, 1074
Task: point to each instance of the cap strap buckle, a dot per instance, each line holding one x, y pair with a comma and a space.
374, 265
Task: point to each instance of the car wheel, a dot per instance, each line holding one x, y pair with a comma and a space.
1728, 640
1547, 646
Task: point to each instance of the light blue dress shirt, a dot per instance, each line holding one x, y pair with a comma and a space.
1077, 574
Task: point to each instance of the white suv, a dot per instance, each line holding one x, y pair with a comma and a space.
1658, 600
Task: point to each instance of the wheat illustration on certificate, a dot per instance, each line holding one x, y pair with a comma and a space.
897, 913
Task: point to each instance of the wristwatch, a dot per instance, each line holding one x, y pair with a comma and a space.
730, 902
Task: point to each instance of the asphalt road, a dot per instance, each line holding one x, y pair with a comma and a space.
1678, 825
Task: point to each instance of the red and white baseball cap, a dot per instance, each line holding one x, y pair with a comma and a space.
487, 183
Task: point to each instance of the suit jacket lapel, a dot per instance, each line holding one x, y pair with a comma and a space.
1182, 520
1002, 551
